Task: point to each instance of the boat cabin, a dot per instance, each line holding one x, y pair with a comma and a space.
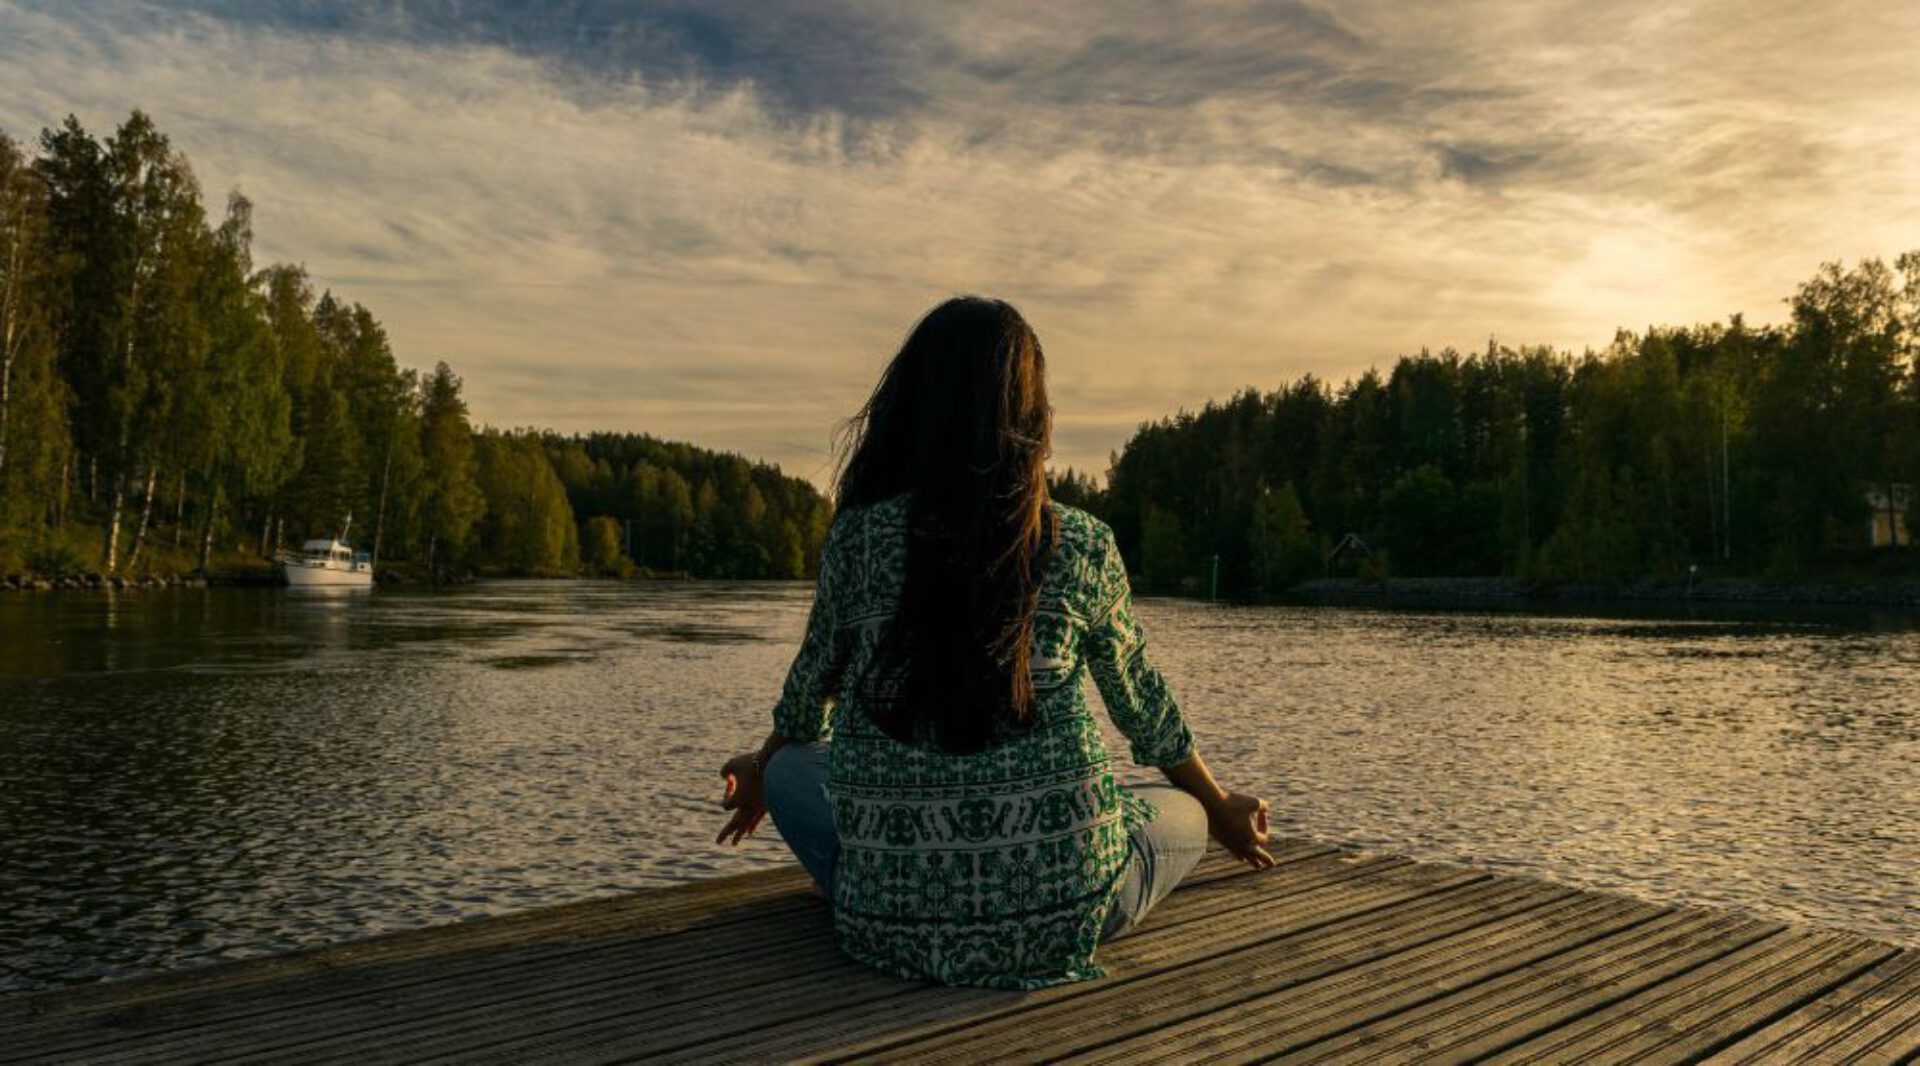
334, 554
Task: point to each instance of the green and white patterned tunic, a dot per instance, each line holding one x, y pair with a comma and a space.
995, 868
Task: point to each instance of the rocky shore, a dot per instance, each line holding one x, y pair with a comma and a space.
95, 582
255, 578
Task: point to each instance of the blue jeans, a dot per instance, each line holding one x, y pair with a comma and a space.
1163, 851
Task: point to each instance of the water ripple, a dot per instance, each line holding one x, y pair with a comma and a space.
201, 775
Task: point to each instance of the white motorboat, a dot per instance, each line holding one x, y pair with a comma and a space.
327, 564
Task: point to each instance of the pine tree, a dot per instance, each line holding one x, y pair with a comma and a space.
451, 499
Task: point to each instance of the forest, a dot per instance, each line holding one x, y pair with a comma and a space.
1727, 449
167, 407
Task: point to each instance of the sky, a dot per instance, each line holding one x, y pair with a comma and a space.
715, 221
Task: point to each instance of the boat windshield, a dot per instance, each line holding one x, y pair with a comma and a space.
328, 554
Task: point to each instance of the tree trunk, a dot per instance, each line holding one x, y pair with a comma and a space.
179, 509
1726, 489
1893, 520
380, 512
113, 522
146, 516
206, 534
121, 453
266, 533
6, 395
60, 501
9, 350
433, 576
1713, 504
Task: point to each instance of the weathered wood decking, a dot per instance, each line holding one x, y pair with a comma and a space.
1333, 956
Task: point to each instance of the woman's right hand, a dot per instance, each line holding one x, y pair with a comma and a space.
745, 797
1239, 822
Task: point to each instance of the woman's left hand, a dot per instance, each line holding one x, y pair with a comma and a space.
1239, 822
744, 797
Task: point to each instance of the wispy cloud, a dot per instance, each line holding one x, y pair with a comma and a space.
715, 220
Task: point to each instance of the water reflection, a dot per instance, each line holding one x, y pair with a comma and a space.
208, 774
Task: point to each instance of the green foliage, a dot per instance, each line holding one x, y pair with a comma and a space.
34, 427
451, 499
601, 550
55, 553
692, 510
1281, 542
1373, 569
1418, 515
1596, 538
1074, 489
1163, 553
150, 378
1740, 449
528, 526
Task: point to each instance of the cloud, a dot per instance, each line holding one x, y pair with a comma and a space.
714, 221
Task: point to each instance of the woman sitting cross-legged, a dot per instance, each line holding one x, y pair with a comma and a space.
933, 762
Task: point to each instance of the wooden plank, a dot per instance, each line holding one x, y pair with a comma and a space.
1145, 953
323, 990
411, 1025
1874, 1018
1056, 1019
663, 1028
1302, 940
1711, 1005
1533, 999
1261, 1023
1335, 956
464, 1011
661, 910
862, 996
1709, 1025
333, 997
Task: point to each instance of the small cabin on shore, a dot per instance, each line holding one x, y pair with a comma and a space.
1346, 556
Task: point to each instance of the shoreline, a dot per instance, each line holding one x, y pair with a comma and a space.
266, 578
93, 582
1898, 593
1472, 591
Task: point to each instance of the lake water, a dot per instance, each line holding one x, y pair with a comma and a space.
197, 775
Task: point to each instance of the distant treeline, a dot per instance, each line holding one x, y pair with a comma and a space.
163, 403
1772, 451
166, 406
675, 507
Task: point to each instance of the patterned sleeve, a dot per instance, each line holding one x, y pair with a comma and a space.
1114, 647
813, 681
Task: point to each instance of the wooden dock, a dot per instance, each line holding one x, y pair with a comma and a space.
1332, 956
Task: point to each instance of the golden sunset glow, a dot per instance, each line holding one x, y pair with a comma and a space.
714, 223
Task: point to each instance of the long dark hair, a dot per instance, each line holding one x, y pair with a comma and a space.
960, 421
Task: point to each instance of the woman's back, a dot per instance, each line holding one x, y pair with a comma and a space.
964, 815
995, 867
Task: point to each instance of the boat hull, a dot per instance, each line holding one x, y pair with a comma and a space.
326, 577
